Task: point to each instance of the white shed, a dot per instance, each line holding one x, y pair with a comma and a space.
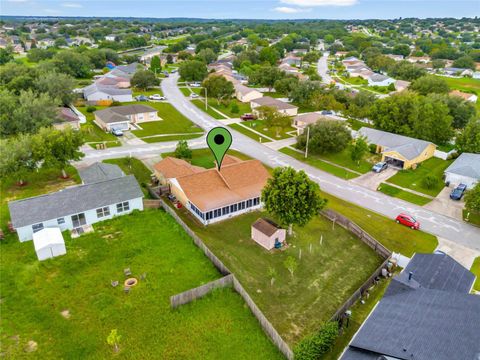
49, 243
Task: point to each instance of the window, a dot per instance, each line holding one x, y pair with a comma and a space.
233, 208
249, 203
37, 227
60, 221
123, 206
241, 205
256, 201
226, 210
104, 211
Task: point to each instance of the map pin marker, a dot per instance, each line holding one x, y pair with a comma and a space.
219, 140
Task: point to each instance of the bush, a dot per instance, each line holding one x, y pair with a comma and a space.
234, 108
91, 108
315, 346
372, 148
429, 182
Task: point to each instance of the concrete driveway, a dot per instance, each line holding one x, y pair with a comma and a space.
372, 180
442, 204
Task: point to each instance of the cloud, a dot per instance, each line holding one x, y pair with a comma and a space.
72, 5
52, 11
289, 10
305, 3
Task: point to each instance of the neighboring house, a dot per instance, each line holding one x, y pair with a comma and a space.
116, 81
212, 195
245, 94
395, 57
121, 117
452, 71
466, 96
110, 37
476, 75
426, 313
105, 192
301, 121
267, 234
280, 106
292, 60
96, 92
401, 85
66, 117
125, 71
361, 72
398, 150
380, 80
464, 170
418, 59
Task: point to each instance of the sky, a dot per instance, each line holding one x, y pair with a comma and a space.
245, 9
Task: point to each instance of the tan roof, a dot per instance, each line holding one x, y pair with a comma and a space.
269, 101
466, 96
119, 113
211, 189
244, 90
265, 226
309, 118
171, 167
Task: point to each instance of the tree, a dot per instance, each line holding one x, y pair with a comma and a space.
37, 55
218, 87
144, 79
57, 86
359, 149
72, 63
292, 197
113, 340
208, 44
429, 181
269, 54
401, 49
311, 57
236, 49
460, 110
6, 55
266, 76
286, 85
315, 346
326, 137
434, 122
182, 151
155, 64
472, 199
464, 62
207, 55
438, 64
169, 59
430, 84
193, 70
303, 93
273, 118
469, 139
18, 157
290, 264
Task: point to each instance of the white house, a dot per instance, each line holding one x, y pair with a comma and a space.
120, 117
96, 92
281, 106
245, 94
110, 37
106, 192
464, 170
466, 96
49, 243
380, 80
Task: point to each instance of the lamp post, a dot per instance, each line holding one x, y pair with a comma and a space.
306, 146
206, 99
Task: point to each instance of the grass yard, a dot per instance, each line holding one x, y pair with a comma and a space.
133, 166
343, 158
353, 80
259, 125
93, 134
463, 84
402, 194
156, 139
201, 105
475, 269
412, 179
325, 277
35, 293
185, 91
148, 92
227, 108
241, 129
205, 159
472, 218
357, 124
320, 164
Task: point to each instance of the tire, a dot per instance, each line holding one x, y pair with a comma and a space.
398, 222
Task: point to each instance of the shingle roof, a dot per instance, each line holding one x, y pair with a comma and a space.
244, 90
467, 164
265, 226
100, 172
118, 113
378, 77
73, 200
269, 101
107, 89
171, 167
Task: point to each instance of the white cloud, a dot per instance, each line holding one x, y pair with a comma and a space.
289, 10
52, 11
305, 3
71, 5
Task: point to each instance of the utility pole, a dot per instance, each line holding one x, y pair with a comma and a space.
306, 146
206, 99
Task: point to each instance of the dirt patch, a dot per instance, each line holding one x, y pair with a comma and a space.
65, 313
31, 346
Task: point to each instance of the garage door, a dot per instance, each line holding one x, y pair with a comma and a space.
394, 162
119, 126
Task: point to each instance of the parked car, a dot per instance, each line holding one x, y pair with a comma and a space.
458, 192
166, 73
141, 98
379, 167
327, 112
174, 71
246, 117
117, 132
157, 97
408, 220
193, 95
194, 84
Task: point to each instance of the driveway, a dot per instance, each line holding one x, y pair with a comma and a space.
372, 180
442, 204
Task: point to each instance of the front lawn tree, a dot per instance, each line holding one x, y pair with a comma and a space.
182, 151
155, 64
144, 79
469, 139
292, 197
218, 87
273, 118
359, 149
325, 137
193, 70
472, 199
113, 340
290, 264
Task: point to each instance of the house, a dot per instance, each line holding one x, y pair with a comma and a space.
292, 60
280, 106
121, 117
464, 170
380, 80
395, 57
401, 85
212, 195
268, 234
466, 96
426, 313
49, 243
170, 168
66, 117
245, 94
124, 71
418, 59
116, 81
105, 192
453, 71
110, 37
301, 121
96, 92
398, 150
361, 72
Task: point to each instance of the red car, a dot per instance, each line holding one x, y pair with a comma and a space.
408, 220
245, 117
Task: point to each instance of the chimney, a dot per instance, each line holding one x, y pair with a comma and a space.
410, 275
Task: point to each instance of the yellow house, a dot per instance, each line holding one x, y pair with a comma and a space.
398, 150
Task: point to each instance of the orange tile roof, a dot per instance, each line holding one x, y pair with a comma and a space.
172, 168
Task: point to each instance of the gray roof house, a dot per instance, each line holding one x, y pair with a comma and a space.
280, 106
464, 170
423, 316
106, 192
120, 117
97, 92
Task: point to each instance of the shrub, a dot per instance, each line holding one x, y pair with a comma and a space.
91, 108
429, 182
234, 108
372, 148
313, 347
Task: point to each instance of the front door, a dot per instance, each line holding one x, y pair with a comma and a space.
78, 220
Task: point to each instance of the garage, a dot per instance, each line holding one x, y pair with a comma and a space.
120, 126
394, 162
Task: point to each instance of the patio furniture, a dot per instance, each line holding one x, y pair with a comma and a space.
127, 272
114, 283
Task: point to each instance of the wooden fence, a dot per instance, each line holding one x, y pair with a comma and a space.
152, 203
198, 292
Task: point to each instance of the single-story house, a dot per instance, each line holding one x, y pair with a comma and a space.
110, 37
361, 72
401, 85
395, 57
117, 81
466, 96
281, 106
418, 59
66, 117
124, 71
96, 92
170, 168
245, 94
102, 195
426, 313
301, 121
212, 195
380, 80
453, 71
267, 234
120, 117
398, 150
292, 60
464, 170
49, 243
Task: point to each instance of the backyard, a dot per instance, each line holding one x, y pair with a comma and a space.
133, 166
68, 307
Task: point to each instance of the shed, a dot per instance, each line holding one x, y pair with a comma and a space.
266, 233
49, 243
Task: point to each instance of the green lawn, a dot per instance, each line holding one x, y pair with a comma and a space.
472, 218
357, 124
205, 159
402, 194
325, 277
353, 80
93, 133
201, 105
35, 293
185, 91
249, 133
259, 125
476, 270
227, 108
148, 92
412, 179
156, 139
343, 158
133, 166
464, 84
